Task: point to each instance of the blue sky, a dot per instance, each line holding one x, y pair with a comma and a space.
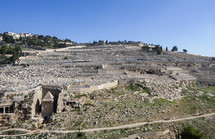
188, 24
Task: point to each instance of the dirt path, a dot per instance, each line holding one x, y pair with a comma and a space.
105, 128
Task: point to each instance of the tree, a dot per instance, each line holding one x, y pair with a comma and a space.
10, 50
59, 45
175, 48
95, 42
14, 58
191, 133
106, 42
3, 50
18, 50
146, 48
185, 50
8, 39
16, 54
101, 42
55, 39
46, 39
67, 40
158, 49
40, 37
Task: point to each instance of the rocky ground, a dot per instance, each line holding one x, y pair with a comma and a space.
123, 105
131, 104
151, 87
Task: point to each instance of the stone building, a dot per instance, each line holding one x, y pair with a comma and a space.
47, 106
48, 100
6, 113
54, 91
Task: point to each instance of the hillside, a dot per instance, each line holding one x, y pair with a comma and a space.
34, 41
88, 87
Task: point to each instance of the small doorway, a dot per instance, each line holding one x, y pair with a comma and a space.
1, 110
45, 118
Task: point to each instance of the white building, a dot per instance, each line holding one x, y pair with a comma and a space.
1, 38
25, 35
14, 35
17, 36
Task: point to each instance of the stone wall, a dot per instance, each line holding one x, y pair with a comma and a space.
6, 120
108, 85
91, 88
62, 99
36, 105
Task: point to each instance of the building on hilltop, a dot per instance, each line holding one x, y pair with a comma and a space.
18, 35
1, 38
25, 35
14, 35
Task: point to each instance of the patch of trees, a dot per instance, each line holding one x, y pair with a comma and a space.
7, 38
100, 42
38, 40
59, 45
175, 49
15, 51
146, 48
44, 41
158, 49
4, 49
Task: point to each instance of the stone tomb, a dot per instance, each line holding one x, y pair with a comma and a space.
48, 101
47, 106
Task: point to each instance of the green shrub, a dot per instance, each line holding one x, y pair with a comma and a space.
66, 57
81, 135
133, 87
190, 132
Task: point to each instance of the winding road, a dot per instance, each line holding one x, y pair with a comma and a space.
29, 132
